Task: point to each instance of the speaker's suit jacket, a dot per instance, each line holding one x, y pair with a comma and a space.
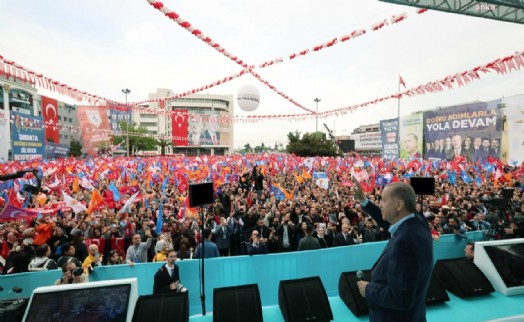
163, 280
400, 277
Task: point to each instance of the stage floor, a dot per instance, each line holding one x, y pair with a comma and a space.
475, 309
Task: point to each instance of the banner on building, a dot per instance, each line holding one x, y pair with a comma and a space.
5, 134
118, 114
471, 130
50, 113
27, 137
515, 122
389, 133
180, 125
410, 136
204, 128
54, 151
94, 125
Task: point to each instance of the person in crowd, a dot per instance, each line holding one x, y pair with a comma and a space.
137, 252
92, 260
42, 262
44, 230
286, 235
208, 248
345, 237
400, 277
71, 274
223, 234
80, 247
370, 232
167, 278
453, 227
309, 242
256, 245
68, 255
320, 235
161, 248
114, 258
469, 250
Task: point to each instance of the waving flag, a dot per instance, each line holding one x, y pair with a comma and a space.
11, 212
74, 204
159, 219
322, 183
465, 177
86, 184
127, 206
116, 193
186, 211
95, 202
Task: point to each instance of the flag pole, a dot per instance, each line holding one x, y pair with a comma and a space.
398, 99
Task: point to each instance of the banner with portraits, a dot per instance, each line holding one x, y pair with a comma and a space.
472, 131
389, 134
410, 136
515, 123
27, 137
94, 125
117, 114
204, 128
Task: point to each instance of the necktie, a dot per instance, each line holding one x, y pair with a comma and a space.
457, 153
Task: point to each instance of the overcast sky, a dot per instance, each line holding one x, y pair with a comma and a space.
103, 46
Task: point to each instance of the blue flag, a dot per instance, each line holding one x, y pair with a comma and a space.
452, 176
279, 194
465, 176
159, 219
114, 190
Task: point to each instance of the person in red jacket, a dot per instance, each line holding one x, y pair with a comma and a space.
44, 231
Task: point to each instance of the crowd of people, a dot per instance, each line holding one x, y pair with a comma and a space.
262, 204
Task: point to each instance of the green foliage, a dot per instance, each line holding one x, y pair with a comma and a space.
137, 139
311, 144
75, 149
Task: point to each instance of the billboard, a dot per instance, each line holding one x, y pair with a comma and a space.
410, 136
515, 121
5, 134
367, 141
389, 133
94, 125
471, 130
27, 137
117, 114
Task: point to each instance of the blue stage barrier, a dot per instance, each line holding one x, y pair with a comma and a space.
265, 270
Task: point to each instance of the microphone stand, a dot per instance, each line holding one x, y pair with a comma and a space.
202, 265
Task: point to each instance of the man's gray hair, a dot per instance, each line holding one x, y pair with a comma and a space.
403, 191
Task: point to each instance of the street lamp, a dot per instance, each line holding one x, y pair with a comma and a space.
127, 91
316, 101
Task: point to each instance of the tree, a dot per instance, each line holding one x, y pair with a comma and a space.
75, 149
248, 148
311, 144
162, 143
139, 140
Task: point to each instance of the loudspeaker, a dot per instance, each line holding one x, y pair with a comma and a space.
304, 300
200, 194
12, 310
462, 277
436, 292
423, 185
162, 307
349, 293
237, 304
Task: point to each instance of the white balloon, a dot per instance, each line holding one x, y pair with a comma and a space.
248, 98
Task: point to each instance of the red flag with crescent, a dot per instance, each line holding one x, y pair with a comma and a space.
50, 113
180, 125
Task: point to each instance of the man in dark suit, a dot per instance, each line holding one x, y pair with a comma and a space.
257, 245
167, 277
345, 237
286, 235
400, 277
309, 242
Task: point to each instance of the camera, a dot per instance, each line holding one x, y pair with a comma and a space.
78, 271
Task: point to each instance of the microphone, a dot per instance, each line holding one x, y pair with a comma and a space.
360, 275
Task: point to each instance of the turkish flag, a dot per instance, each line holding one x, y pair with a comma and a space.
180, 123
50, 112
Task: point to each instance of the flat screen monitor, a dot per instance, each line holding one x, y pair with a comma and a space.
509, 262
502, 261
103, 301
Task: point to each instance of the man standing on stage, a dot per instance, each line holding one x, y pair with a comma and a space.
400, 277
